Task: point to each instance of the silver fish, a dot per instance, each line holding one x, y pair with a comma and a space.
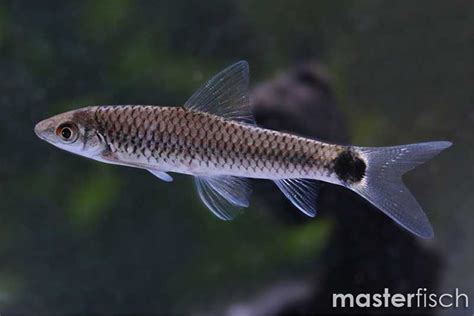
213, 137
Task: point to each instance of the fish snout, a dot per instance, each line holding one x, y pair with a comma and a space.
44, 129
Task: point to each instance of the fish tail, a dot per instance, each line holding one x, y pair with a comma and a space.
381, 169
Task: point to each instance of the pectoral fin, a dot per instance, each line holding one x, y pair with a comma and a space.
162, 175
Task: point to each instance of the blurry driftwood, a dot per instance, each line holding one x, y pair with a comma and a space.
367, 252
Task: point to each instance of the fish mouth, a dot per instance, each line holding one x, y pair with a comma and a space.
38, 131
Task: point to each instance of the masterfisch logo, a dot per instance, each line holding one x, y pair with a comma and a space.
421, 298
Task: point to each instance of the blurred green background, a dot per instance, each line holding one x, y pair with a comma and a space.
77, 236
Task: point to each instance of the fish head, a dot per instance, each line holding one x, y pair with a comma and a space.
74, 131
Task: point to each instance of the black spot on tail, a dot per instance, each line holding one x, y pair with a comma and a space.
349, 167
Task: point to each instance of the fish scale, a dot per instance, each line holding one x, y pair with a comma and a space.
197, 143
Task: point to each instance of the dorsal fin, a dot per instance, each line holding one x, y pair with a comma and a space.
225, 95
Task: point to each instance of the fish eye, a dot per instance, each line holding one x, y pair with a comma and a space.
67, 132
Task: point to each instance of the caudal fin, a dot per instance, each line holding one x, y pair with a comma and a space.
383, 187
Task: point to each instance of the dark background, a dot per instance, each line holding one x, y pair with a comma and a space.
77, 236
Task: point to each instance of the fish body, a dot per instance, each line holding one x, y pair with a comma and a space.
213, 138
179, 140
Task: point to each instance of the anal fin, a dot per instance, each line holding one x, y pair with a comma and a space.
301, 192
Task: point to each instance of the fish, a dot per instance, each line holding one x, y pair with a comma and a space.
213, 137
